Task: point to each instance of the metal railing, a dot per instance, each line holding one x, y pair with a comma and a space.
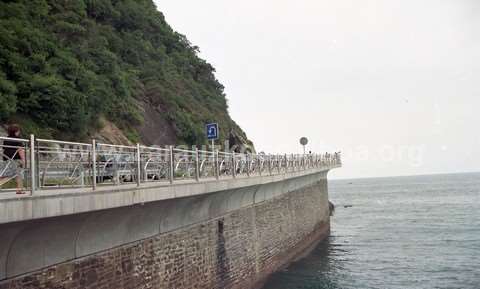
51, 164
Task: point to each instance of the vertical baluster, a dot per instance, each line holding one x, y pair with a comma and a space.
217, 166
197, 165
260, 163
293, 162
116, 160
279, 163
37, 167
94, 164
234, 166
32, 165
139, 167
270, 164
171, 164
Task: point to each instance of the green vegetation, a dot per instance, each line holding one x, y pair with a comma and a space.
65, 64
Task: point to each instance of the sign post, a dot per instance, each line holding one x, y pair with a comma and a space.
304, 142
212, 133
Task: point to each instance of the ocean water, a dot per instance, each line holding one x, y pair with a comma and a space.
402, 232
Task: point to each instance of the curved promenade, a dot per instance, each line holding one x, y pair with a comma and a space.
104, 216
70, 178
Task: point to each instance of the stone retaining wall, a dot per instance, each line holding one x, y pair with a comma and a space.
236, 250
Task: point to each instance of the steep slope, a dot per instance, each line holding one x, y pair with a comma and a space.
68, 69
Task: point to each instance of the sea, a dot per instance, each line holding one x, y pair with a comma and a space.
399, 232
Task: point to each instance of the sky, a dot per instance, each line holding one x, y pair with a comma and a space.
392, 84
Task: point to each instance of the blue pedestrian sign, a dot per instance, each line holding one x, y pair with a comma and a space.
212, 131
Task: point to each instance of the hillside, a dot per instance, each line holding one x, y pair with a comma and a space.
77, 69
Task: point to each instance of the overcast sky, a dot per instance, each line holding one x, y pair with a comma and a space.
393, 84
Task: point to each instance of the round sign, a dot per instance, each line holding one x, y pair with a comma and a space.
303, 141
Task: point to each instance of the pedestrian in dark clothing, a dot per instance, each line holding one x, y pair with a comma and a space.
13, 158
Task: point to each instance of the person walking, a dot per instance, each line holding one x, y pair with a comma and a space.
13, 158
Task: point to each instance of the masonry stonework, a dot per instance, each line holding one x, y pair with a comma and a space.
236, 250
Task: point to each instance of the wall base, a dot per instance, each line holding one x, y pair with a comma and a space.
303, 249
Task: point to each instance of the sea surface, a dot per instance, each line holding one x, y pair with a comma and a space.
402, 232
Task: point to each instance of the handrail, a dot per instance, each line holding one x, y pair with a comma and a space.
94, 164
14, 139
61, 142
116, 146
183, 150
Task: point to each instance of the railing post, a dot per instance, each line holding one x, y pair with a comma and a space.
37, 168
247, 158
270, 164
261, 164
279, 163
139, 167
197, 165
116, 173
32, 165
171, 165
217, 167
94, 164
293, 162
234, 165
